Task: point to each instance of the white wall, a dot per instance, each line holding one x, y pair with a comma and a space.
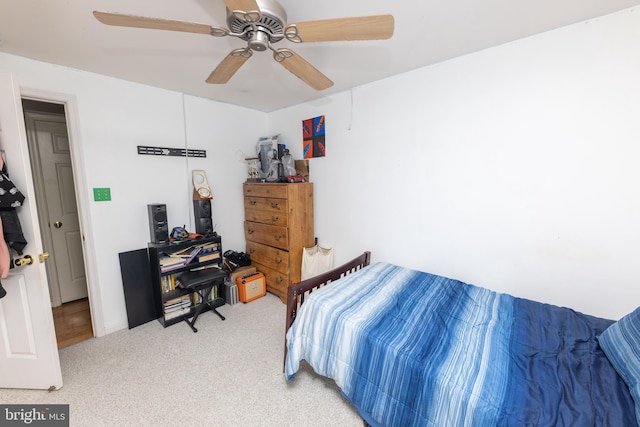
515, 168
116, 116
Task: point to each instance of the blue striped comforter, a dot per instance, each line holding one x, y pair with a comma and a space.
411, 348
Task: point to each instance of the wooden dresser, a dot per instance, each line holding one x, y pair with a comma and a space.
278, 225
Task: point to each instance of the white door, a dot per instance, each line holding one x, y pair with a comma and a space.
28, 347
58, 214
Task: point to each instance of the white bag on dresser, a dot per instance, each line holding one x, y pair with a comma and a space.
316, 260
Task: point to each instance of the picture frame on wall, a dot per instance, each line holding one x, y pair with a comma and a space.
313, 137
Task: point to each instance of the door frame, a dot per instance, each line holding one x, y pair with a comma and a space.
82, 198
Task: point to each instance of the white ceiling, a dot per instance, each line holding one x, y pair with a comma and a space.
426, 32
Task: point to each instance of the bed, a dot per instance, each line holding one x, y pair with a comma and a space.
412, 348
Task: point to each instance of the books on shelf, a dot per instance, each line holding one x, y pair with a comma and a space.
188, 253
177, 307
167, 283
176, 313
179, 259
199, 253
208, 256
210, 247
170, 260
196, 299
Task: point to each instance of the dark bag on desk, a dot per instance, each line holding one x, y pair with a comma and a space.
237, 259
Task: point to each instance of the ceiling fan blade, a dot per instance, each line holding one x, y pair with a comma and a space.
377, 27
121, 20
302, 69
245, 5
229, 65
245, 10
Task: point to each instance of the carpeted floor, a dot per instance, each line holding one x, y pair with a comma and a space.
227, 374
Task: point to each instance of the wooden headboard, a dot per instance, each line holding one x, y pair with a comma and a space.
297, 293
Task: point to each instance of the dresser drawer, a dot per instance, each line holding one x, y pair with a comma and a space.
277, 282
265, 216
266, 190
269, 204
273, 257
267, 234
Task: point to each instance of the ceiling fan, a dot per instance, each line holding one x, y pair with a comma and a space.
263, 23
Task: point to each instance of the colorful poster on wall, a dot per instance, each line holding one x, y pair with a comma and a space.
313, 141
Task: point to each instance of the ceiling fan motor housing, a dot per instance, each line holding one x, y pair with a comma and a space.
269, 29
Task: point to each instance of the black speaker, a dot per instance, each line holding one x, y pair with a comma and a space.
202, 214
158, 226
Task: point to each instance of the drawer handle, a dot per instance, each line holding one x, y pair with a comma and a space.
277, 238
249, 231
279, 280
252, 202
251, 251
274, 205
278, 260
274, 218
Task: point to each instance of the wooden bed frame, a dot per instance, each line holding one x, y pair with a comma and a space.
297, 293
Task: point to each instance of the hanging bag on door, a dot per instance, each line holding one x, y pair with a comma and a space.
10, 199
10, 196
13, 236
5, 261
316, 260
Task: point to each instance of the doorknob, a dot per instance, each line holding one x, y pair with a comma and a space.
57, 224
26, 260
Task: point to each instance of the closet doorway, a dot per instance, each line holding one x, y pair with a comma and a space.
54, 184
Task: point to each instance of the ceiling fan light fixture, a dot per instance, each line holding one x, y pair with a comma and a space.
259, 40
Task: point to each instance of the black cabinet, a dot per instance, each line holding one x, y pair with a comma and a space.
141, 305
177, 302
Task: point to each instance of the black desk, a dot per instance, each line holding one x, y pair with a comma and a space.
202, 283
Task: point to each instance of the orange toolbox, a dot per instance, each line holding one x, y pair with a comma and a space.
252, 286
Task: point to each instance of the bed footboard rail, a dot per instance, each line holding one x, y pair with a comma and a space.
296, 294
